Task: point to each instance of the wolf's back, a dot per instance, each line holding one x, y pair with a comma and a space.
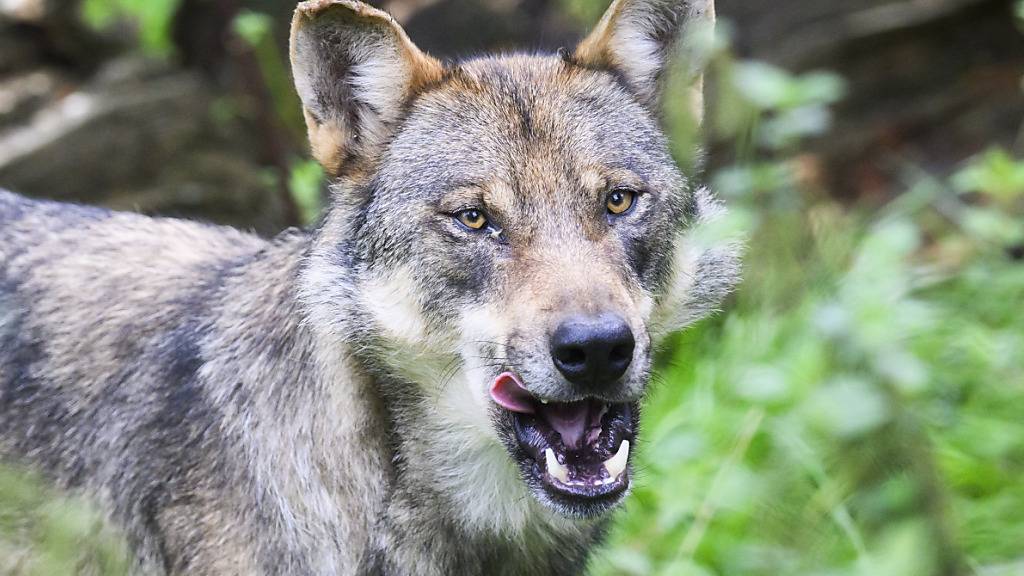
101, 316
84, 290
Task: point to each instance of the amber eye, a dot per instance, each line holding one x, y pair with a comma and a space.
472, 219
620, 201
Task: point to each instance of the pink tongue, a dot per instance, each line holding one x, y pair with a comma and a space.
569, 420
510, 394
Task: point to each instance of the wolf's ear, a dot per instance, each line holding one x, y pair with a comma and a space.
638, 39
354, 70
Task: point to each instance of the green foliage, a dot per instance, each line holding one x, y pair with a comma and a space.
772, 107
257, 31
152, 18
586, 12
43, 534
995, 174
858, 409
305, 183
772, 89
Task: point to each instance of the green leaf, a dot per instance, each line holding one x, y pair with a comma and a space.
253, 27
152, 18
305, 182
995, 173
848, 407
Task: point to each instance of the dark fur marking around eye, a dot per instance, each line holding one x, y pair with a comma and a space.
638, 253
468, 281
648, 259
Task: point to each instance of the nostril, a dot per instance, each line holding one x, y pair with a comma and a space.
593, 350
571, 356
621, 353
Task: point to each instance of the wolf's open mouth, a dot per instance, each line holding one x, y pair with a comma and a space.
579, 451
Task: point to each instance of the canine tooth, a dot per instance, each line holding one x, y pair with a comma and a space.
616, 465
556, 470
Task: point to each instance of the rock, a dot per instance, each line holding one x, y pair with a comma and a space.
930, 83
138, 139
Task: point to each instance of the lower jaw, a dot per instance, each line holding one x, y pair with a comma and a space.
579, 507
611, 489
579, 495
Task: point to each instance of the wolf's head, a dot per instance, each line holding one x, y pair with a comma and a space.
515, 237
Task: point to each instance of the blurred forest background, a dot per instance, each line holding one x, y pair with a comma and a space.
859, 409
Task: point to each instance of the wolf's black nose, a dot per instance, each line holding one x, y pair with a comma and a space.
593, 350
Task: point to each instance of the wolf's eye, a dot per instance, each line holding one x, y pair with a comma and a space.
620, 201
472, 219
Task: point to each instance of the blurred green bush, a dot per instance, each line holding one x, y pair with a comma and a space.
859, 409
151, 20
45, 534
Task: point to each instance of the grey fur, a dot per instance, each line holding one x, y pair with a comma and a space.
312, 404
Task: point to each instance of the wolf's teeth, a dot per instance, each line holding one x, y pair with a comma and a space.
616, 465
556, 470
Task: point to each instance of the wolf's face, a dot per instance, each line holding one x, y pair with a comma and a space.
519, 229
537, 231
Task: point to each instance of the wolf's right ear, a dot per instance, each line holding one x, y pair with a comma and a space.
638, 39
354, 70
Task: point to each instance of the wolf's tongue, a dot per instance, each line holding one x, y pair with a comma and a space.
511, 395
569, 420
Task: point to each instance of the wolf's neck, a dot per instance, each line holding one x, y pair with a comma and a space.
391, 464
458, 501
302, 412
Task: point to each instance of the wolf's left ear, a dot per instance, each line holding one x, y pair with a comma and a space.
354, 70
638, 39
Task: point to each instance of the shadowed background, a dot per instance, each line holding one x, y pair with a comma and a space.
860, 408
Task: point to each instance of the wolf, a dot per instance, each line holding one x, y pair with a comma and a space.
443, 376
